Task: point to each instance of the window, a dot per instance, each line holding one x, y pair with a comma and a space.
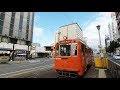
1, 29
13, 17
20, 24
1, 23
74, 49
12, 24
82, 48
19, 34
32, 20
2, 16
12, 20
27, 26
10, 32
57, 50
21, 21
64, 50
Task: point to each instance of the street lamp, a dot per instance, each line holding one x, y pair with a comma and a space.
98, 27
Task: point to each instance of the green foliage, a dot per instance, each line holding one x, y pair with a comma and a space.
113, 46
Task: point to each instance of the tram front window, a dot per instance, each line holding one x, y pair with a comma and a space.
64, 50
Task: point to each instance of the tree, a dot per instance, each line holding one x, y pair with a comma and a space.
113, 46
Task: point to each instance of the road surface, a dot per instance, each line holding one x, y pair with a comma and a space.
15, 68
39, 68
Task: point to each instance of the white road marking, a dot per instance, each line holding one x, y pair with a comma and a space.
31, 64
39, 60
28, 64
11, 74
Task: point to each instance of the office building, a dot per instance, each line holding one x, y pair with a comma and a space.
16, 32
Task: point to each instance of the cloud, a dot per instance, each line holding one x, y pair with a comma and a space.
37, 34
37, 16
91, 32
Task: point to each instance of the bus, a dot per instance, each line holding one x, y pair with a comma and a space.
72, 57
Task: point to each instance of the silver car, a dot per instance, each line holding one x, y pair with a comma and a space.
116, 56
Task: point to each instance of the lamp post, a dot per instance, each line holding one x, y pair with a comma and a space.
98, 27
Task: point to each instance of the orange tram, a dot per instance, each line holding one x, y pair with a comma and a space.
72, 57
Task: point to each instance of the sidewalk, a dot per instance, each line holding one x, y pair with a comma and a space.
102, 73
93, 72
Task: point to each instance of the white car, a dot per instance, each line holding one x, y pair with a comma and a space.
116, 56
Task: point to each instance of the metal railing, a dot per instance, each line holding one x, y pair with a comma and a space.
114, 68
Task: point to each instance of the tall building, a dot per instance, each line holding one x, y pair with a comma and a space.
110, 33
118, 24
16, 31
107, 41
114, 26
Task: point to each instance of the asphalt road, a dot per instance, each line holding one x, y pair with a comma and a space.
39, 68
116, 61
25, 66
46, 73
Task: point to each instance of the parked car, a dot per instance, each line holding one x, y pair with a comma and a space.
116, 56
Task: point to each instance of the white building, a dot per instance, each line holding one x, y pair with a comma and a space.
36, 44
71, 31
113, 31
44, 51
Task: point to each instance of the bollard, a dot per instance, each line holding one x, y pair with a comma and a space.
105, 61
98, 63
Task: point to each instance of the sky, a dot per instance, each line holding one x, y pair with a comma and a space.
47, 23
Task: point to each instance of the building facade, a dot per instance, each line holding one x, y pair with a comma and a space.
118, 24
112, 26
16, 29
41, 52
118, 29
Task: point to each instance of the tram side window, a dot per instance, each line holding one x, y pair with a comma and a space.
57, 51
64, 50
